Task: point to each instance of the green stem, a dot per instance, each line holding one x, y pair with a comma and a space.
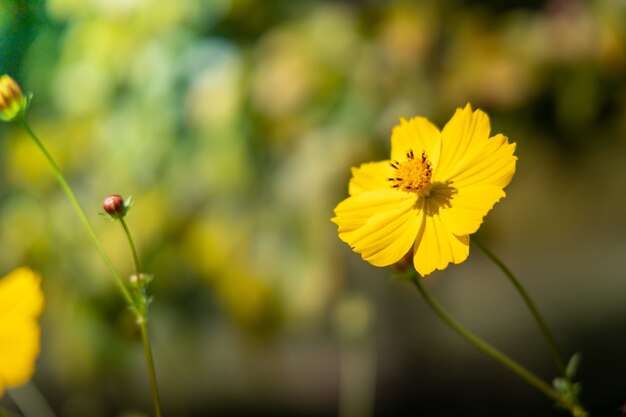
79, 211
154, 388
491, 351
139, 310
141, 322
132, 246
547, 334
31, 401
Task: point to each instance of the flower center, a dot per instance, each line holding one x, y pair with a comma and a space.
412, 175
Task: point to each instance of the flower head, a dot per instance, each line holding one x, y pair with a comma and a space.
21, 303
430, 196
115, 206
12, 100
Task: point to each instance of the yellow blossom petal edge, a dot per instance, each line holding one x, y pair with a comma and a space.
431, 194
21, 303
370, 176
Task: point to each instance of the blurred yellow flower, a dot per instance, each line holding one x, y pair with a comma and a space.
430, 196
21, 302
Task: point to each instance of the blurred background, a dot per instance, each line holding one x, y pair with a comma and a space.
234, 123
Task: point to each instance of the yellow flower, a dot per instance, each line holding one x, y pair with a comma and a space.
430, 196
21, 303
12, 101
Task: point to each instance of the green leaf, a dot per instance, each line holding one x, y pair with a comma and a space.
572, 366
560, 385
128, 202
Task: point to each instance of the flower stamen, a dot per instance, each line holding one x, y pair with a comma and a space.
412, 175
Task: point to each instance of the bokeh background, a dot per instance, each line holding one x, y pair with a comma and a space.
234, 124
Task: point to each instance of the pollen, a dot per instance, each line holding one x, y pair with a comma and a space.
412, 175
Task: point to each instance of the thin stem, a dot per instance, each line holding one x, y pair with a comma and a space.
491, 351
139, 310
79, 210
31, 401
154, 388
547, 334
132, 246
141, 322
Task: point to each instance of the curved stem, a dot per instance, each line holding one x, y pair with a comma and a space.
79, 210
132, 246
154, 388
489, 350
139, 310
547, 334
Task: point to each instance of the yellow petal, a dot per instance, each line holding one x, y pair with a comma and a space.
386, 237
462, 139
21, 302
20, 294
370, 176
417, 134
468, 206
19, 348
495, 165
355, 211
436, 246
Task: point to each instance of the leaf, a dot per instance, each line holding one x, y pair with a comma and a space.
572, 366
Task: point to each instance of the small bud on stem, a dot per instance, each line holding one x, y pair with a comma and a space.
12, 101
115, 206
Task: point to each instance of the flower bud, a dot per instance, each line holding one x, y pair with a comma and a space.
115, 206
12, 101
140, 279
